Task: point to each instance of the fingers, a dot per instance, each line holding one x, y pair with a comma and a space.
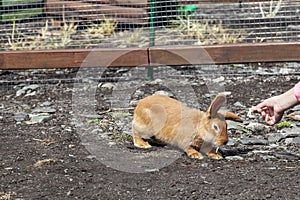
270, 120
259, 107
267, 115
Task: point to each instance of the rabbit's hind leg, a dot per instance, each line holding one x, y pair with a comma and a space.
139, 142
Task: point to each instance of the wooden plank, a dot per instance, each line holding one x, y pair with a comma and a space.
73, 58
194, 2
95, 11
154, 56
225, 54
127, 3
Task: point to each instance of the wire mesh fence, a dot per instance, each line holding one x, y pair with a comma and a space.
69, 24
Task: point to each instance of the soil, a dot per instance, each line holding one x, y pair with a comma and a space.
52, 160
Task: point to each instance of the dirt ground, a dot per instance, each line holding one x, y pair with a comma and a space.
49, 160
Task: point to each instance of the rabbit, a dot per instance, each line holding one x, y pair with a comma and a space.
169, 121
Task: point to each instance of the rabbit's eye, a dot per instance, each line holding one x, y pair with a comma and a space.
215, 127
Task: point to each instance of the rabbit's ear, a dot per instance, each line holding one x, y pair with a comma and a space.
233, 117
216, 105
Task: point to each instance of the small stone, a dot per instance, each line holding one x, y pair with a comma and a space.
133, 103
286, 155
267, 157
231, 142
204, 165
296, 140
152, 170
47, 103
226, 93
296, 108
38, 118
91, 157
268, 196
69, 193
20, 92
234, 158
232, 124
19, 117
92, 116
162, 92
292, 140
258, 127
25, 89
44, 110
254, 141
30, 94
239, 104
219, 79
157, 81
109, 86
293, 132
261, 151
295, 116
250, 114
275, 137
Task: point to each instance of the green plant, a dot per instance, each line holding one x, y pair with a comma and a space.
247, 131
121, 137
121, 114
284, 124
93, 121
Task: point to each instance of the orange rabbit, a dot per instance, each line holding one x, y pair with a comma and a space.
171, 122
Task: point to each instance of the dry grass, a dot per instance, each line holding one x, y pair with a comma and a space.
67, 35
6, 195
46, 142
58, 37
45, 38
41, 163
206, 33
272, 10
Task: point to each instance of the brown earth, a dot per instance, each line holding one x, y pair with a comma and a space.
49, 161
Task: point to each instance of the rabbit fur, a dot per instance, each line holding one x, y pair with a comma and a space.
171, 122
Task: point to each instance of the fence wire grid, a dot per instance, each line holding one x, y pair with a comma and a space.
71, 24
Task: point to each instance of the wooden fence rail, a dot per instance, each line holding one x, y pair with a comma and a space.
131, 57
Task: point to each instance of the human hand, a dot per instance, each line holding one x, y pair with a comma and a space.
270, 110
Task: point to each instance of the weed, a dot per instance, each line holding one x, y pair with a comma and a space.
247, 131
284, 124
121, 137
120, 114
98, 122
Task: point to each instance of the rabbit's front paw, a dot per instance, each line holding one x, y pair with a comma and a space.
214, 155
192, 153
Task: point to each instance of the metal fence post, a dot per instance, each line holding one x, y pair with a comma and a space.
151, 36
